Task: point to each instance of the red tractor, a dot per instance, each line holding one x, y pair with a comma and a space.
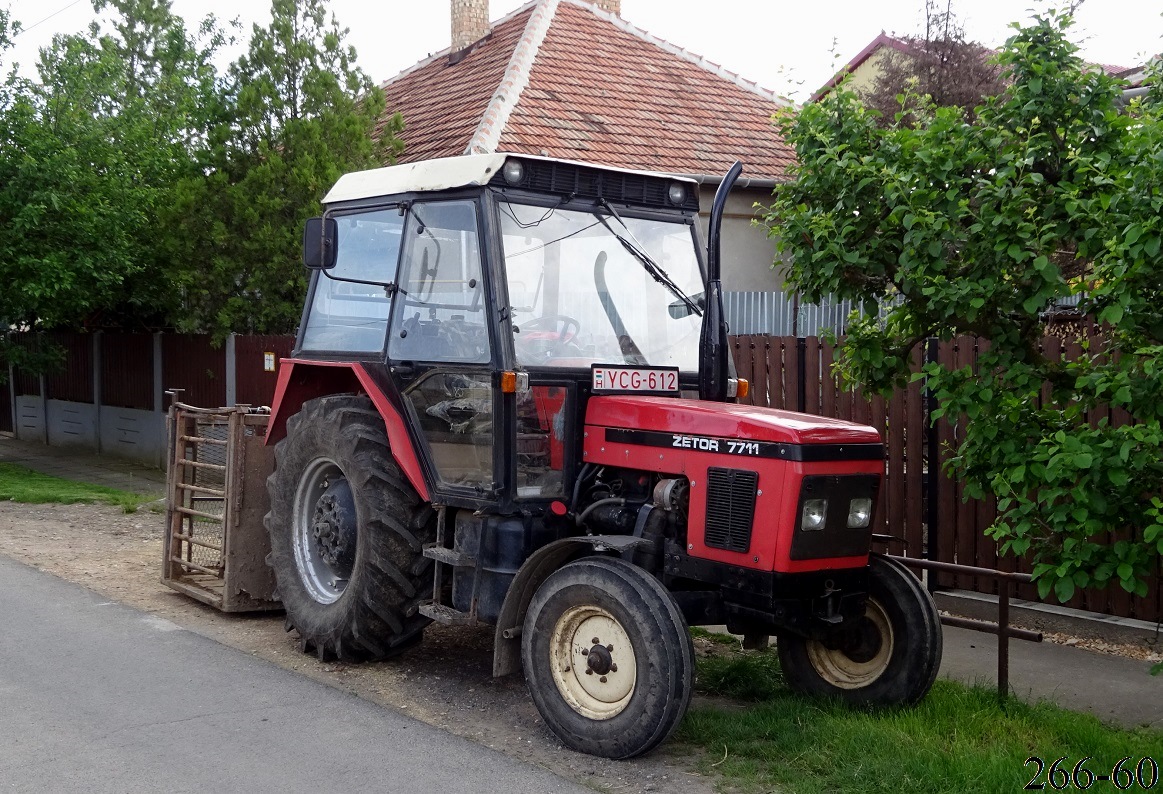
511, 402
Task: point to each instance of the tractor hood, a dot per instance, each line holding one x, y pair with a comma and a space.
723, 420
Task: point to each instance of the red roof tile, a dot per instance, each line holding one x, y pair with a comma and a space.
442, 102
597, 90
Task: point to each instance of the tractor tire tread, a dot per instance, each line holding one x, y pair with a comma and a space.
375, 617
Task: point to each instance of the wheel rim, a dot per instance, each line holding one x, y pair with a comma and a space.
851, 667
325, 531
593, 662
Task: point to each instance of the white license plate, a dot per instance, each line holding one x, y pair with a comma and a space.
657, 380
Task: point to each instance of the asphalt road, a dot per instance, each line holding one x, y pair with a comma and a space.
98, 697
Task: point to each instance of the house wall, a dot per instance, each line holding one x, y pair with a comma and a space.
864, 76
748, 253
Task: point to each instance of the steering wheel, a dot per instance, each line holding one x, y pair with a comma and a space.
566, 327
557, 333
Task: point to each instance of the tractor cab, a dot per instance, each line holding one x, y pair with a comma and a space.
498, 293
511, 402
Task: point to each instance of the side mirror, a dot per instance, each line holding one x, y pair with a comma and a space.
319, 238
680, 309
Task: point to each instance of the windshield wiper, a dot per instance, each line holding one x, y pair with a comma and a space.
649, 265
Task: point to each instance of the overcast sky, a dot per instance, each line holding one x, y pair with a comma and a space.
789, 47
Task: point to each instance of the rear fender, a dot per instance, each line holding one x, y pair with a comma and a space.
534, 571
300, 381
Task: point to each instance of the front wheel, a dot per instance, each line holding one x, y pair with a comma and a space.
608, 657
888, 656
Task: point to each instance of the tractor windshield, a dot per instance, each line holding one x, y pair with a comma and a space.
581, 294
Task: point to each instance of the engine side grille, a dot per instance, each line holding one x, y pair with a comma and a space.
730, 508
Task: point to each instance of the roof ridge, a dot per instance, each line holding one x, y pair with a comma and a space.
448, 50
682, 52
487, 135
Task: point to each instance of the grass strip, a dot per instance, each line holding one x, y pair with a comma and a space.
20, 484
958, 739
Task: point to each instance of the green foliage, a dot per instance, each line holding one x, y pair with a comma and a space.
8, 29
88, 154
959, 226
300, 114
957, 739
19, 484
139, 187
743, 675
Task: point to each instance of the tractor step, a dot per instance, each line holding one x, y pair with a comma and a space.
449, 557
446, 615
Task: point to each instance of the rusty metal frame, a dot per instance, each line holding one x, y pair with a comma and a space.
239, 581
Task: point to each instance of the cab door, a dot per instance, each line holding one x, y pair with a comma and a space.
440, 351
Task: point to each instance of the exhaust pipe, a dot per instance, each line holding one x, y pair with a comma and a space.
714, 366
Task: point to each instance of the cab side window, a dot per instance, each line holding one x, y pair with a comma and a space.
440, 313
348, 316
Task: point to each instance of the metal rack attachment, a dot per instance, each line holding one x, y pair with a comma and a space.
215, 544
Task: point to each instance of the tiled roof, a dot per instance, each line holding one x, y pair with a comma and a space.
1134, 76
442, 102
564, 79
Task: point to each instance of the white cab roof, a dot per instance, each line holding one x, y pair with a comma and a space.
446, 173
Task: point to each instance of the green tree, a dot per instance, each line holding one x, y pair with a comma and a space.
301, 113
8, 28
957, 226
88, 154
940, 65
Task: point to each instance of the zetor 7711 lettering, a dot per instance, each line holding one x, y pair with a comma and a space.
511, 402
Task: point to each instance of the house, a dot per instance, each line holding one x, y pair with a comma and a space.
574, 80
866, 66
1136, 77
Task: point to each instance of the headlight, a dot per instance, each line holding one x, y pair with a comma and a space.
513, 171
814, 515
859, 513
676, 193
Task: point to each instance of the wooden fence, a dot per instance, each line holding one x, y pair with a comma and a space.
129, 370
920, 504
7, 413
110, 394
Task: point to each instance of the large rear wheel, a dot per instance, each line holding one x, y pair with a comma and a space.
346, 532
608, 658
888, 656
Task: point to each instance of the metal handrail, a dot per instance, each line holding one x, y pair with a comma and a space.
1002, 627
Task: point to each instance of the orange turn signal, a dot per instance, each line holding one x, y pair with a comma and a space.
509, 382
743, 389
